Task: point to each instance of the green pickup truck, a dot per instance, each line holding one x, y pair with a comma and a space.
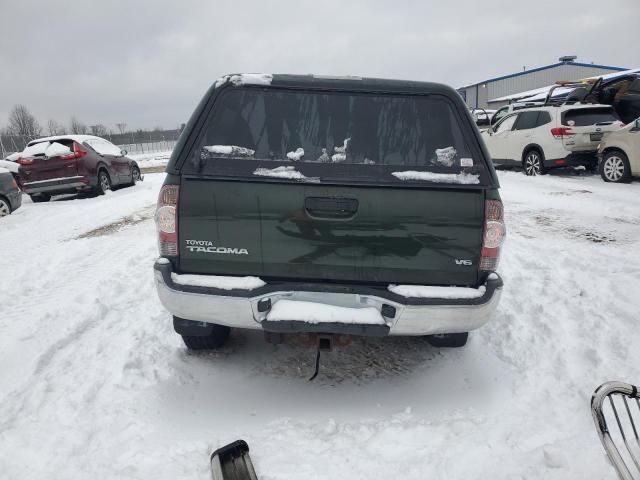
329, 205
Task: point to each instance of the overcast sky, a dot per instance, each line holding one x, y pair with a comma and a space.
147, 63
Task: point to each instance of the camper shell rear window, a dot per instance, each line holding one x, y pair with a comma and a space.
319, 135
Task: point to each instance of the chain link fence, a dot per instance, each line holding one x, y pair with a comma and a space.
151, 147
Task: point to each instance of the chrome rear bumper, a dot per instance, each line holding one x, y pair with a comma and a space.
402, 316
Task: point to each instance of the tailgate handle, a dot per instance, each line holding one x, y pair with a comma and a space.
331, 207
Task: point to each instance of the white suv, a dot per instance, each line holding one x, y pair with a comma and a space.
619, 154
539, 138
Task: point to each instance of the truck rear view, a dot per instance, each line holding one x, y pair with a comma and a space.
331, 206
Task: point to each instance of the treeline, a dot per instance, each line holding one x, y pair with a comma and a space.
22, 123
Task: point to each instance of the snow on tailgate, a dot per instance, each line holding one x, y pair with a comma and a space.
459, 178
231, 150
310, 312
285, 172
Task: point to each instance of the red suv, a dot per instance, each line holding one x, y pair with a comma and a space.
74, 163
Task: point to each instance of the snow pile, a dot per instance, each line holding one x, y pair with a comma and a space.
47, 149
295, 156
13, 167
289, 173
147, 160
104, 147
251, 79
217, 281
13, 157
56, 149
324, 158
459, 178
35, 149
311, 312
344, 147
229, 150
245, 79
446, 156
426, 291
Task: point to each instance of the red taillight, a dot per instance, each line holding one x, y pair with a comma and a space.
24, 161
560, 162
561, 132
78, 152
494, 233
167, 220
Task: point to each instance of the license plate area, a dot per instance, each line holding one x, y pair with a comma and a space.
595, 137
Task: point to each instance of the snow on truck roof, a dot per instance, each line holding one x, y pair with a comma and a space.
75, 138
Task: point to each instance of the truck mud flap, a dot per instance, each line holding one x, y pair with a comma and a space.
232, 462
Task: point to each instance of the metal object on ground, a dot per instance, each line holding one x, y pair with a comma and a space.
615, 407
232, 462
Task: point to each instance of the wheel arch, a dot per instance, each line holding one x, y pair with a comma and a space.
528, 148
105, 167
614, 148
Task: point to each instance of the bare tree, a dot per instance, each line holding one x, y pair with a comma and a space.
77, 126
98, 130
122, 127
55, 128
22, 122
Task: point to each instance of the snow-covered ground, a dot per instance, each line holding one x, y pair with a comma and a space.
147, 160
95, 384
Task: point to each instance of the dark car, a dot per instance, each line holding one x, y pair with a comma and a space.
10, 194
329, 206
74, 163
623, 94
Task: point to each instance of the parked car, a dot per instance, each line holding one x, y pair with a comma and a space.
482, 116
10, 194
74, 163
330, 206
619, 154
539, 138
512, 107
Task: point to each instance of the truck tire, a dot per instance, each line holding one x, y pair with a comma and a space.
199, 335
448, 340
40, 197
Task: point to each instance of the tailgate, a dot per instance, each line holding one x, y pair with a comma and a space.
310, 231
334, 185
51, 162
43, 169
588, 126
